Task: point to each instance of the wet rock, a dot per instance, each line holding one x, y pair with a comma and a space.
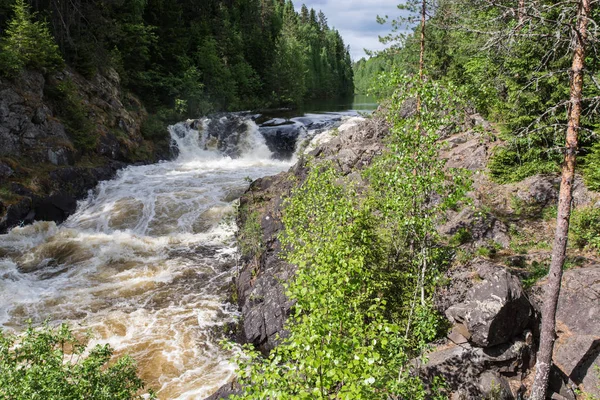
577, 349
231, 388
18, 213
5, 171
495, 308
55, 208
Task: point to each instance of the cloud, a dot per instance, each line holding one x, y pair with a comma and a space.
356, 21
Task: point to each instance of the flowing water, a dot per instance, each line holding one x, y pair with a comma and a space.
146, 261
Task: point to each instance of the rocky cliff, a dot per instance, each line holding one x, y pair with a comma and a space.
59, 136
502, 244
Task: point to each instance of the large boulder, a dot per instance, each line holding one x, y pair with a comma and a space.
472, 372
577, 349
494, 309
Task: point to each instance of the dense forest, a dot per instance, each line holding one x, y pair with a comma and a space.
192, 56
514, 75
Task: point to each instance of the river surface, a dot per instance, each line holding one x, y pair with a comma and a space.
147, 260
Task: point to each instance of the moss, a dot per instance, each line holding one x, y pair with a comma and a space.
72, 112
585, 228
462, 236
250, 235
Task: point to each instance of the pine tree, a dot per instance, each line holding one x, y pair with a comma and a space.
28, 43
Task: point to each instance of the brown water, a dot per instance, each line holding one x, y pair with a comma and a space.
145, 263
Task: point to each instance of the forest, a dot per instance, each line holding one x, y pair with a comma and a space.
190, 56
412, 254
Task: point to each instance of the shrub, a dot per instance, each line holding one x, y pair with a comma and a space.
591, 168
72, 112
585, 228
47, 363
368, 259
154, 128
28, 43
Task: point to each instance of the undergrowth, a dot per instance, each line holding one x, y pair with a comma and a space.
368, 262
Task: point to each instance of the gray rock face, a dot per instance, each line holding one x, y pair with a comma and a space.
577, 349
261, 293
495, 308
473, 372
37, 146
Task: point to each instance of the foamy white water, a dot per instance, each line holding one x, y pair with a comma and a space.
145, 262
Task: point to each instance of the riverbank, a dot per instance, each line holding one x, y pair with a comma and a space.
491, 297
62, 134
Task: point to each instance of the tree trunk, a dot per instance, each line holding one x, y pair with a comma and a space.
521, 12
422, 51
548, 335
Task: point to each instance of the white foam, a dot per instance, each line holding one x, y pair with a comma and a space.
144, 262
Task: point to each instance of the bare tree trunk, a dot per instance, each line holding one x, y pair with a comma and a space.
521, 12
422, 51
548, 335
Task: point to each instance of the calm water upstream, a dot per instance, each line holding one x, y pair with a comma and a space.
147, 259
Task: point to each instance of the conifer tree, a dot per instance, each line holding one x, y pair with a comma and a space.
29, 43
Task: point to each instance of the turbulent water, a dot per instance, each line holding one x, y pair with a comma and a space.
146, 261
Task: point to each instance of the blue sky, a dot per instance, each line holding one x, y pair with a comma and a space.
356, 20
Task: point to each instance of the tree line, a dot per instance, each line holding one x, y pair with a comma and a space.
191, 56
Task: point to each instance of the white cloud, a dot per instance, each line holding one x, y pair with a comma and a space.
356, 21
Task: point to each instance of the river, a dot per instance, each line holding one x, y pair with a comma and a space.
147, 260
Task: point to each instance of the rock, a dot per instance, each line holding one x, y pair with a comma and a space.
495, 308
5, 171
55, 208
41, 114
60, 156
482, 227
471, 372
577, 349
494, 386
231, 388
260, 285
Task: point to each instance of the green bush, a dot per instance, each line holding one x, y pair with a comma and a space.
154, 128
47, 363
28, 43
368, 261
585, 228
591, 168
250, 236
71, 110
508, 166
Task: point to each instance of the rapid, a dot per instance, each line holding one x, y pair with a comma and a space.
147, 260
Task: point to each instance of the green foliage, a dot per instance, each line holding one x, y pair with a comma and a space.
72, 112
27, 43
585, 228
250, 235
535, 272
508, 166
461, 237
368, 261
591, 168
47, 363
154, 128
518, 78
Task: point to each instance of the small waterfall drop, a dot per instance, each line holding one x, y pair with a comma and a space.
147, 259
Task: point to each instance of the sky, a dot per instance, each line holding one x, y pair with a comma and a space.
356, 21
